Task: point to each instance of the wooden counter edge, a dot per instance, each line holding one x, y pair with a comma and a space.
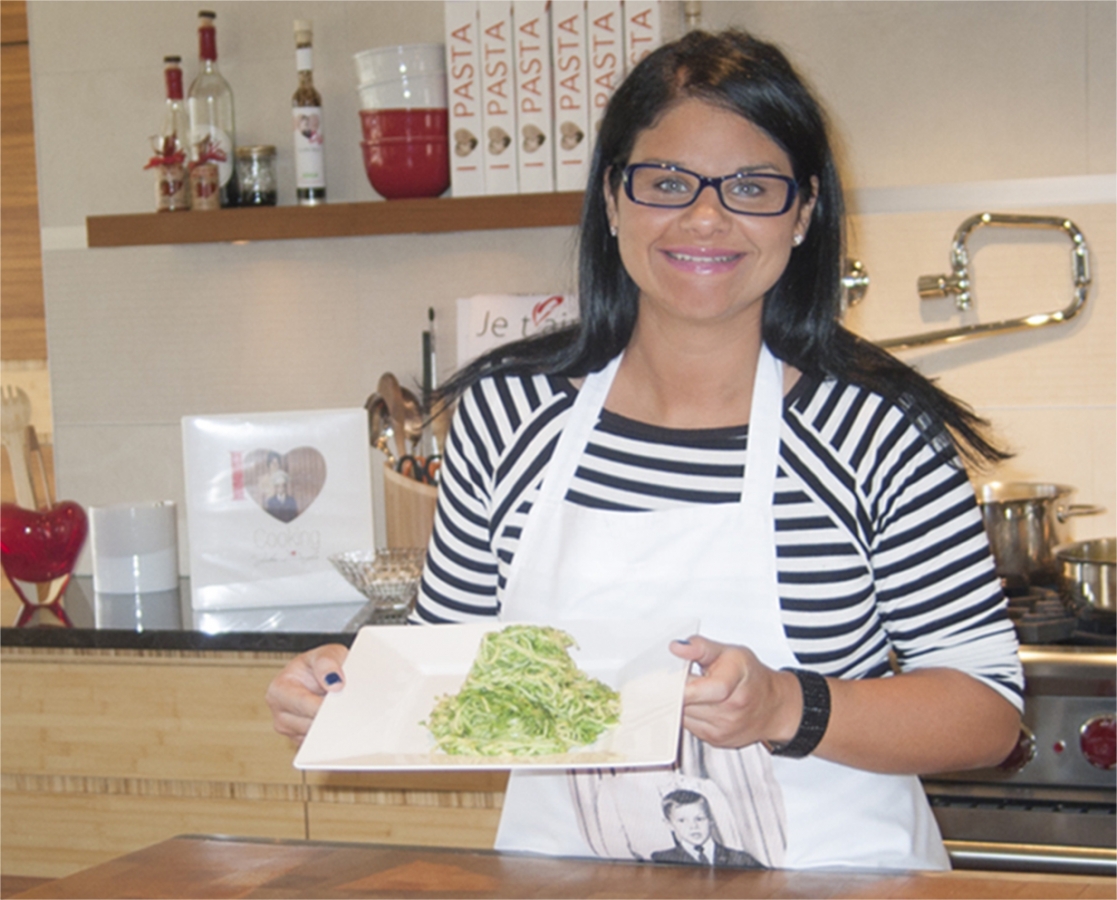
259, 867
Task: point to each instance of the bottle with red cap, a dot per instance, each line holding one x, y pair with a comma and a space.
212, 134
172, 193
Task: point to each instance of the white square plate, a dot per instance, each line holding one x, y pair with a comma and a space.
394, 675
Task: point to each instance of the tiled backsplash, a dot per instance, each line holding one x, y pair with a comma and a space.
1049, 394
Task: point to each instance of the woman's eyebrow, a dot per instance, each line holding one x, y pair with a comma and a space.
744, 169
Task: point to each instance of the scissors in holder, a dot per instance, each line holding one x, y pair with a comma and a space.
423, 469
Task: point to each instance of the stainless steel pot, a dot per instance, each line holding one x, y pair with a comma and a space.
1025, 521
1089, 569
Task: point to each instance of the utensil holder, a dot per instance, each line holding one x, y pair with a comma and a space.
408, 509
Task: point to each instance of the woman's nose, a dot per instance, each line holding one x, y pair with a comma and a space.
707, 213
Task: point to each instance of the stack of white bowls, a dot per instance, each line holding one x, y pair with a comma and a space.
405, 134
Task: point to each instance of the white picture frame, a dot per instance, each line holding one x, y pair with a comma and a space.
269, 498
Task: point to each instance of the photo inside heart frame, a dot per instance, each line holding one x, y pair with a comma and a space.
284, 485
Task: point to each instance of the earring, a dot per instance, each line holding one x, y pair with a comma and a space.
797, 240
613, 230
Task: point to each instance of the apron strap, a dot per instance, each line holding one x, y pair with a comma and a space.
765, 419
576, 433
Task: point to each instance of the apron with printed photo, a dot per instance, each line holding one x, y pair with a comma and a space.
739, 807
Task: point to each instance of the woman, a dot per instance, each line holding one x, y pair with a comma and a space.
710, 441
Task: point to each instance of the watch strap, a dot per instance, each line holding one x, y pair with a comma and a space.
815, 718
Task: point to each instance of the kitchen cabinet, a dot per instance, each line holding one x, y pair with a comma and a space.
105, 751
421, 216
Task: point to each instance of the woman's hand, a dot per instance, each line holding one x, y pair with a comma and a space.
737, 700
296, 693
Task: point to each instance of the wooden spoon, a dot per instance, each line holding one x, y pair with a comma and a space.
412, 419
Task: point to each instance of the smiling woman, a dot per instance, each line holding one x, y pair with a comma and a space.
709, 440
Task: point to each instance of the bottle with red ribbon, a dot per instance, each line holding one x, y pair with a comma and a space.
212, 135
170, 145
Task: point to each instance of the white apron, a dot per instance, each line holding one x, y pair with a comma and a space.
717, 563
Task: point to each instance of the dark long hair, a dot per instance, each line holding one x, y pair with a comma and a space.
801, 315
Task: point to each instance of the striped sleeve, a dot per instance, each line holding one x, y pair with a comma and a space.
502, 436
937, 596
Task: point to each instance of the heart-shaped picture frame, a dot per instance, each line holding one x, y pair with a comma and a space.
284, 485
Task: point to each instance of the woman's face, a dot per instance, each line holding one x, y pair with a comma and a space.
702, 263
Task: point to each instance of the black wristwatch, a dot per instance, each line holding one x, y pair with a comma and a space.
816, 716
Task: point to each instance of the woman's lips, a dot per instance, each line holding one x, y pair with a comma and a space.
702, 261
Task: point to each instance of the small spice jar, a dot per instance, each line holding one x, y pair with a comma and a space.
256, 175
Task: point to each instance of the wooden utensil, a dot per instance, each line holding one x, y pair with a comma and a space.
36, 451
441, 418
412, 419
15, 416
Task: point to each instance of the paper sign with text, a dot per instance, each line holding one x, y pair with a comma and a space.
486, 321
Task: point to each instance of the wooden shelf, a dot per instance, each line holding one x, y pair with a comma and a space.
278, 223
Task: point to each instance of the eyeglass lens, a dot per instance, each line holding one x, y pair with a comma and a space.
756, 194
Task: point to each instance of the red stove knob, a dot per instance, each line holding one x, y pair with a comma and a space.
1022, 754
1098, 739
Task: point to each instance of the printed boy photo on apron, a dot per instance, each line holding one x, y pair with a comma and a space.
716, 807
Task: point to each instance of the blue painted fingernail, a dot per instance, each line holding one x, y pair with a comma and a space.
682, 640
333, 678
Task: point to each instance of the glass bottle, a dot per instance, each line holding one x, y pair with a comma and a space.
172, 193
212, 134
310, 170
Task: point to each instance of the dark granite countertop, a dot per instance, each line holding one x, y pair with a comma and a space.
167, 621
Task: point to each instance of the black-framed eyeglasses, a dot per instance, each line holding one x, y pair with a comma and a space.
673, 187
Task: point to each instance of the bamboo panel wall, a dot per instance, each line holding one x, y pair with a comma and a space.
23, 335
104, 752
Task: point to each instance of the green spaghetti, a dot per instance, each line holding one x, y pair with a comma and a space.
524, 696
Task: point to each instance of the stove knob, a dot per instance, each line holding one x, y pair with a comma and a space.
1022, 754
1098, 740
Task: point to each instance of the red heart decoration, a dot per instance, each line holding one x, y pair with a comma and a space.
41, 546
543, 309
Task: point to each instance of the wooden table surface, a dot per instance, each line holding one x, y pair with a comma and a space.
198, 866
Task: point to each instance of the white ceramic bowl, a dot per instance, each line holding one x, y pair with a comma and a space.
405, 92
382, 63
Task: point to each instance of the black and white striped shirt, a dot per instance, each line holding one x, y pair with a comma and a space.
880, 544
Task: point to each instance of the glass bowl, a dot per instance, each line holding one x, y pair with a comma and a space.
388, 578
405, 92
399, 60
